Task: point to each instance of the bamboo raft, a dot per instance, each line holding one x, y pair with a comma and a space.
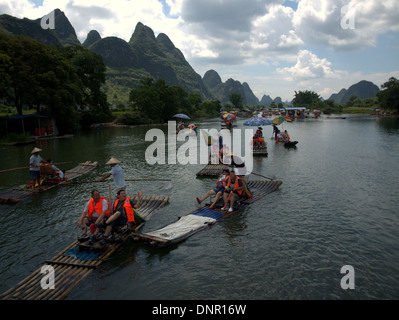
211, 170
260, 152
201, 218
69, 270
17, 194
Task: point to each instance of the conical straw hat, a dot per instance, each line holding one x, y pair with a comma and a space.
36, 150
112, 161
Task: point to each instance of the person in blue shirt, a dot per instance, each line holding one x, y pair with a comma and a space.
218, 190
117, 175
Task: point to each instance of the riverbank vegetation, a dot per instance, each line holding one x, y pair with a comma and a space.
68, 84
385, 101
65, 83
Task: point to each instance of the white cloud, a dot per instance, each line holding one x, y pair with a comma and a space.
263, 43
308, 66
320, 22
109, 17
275, 29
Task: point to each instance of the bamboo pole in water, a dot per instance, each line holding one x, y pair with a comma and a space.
20, 168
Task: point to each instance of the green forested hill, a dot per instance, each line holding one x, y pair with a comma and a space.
145, 55
63, 35
222, 90
362, 90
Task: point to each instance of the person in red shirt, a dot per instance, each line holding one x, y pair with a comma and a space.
95, 211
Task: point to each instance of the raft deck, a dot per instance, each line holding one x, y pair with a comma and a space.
72, 265
17, 194
260, 152
211, 170
201, 218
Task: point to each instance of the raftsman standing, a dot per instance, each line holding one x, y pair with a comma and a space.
117, 175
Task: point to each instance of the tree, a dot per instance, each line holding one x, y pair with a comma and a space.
146, 99
18, 55
211, 108
352, 101
5, 74
388, 97
34, 74
90, 69
157, 101
236, 99
194, 100
308, 99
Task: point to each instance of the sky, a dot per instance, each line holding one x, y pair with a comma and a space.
276, 46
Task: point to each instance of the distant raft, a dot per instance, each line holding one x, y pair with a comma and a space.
211, 170
260, 151
290, 144
17, 194
201, 218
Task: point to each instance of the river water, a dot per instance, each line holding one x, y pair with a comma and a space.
337, 206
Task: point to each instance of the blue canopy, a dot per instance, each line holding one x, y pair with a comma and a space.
295, 108
24, 116
181, 115
258, 121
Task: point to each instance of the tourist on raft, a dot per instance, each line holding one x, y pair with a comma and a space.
57, 172
94, 213
219, 188
280, 137
233, 190
286, 136
258, 141
124, 213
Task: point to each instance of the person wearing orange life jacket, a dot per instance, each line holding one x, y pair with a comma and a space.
255, 141
95, 211
123, 213
261, 140
219, 188
234, 189
286, 136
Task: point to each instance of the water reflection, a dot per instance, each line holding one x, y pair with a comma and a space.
390, 124
337, 205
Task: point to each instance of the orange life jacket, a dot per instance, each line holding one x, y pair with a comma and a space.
220, 181
98, 208
128, 209
236, 185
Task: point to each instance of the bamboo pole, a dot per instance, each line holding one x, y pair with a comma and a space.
96, 181
13, 169
257, 174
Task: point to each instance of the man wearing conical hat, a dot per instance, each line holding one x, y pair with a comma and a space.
116, 173
34, 161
